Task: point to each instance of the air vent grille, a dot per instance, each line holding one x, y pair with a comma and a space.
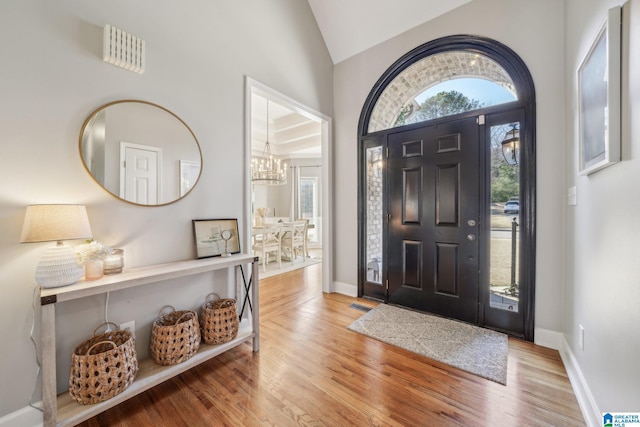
123, 50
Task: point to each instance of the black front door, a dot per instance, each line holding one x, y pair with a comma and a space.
433, 202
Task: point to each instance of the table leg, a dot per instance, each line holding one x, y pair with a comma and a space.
48, 348
256, 305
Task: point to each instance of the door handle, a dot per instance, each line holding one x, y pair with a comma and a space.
471, 237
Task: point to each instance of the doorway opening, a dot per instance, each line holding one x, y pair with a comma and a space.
447, 185
299, 143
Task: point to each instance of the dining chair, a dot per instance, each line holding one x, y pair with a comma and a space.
306, 236
269, 241
295, 240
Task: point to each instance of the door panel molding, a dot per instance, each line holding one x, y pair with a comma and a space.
413, 149
412, 264
449, 143
447, 257
448, 194
412, 196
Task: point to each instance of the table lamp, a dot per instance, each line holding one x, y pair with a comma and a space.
54, 223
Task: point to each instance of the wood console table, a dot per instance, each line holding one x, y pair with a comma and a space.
62, 410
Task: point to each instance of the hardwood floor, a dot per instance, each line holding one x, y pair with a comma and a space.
311, 370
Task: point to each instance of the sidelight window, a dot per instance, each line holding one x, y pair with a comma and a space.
374, 210
504, 238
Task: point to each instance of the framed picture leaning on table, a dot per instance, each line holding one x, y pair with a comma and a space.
216, 237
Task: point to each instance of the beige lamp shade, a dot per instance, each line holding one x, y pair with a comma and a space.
45, 223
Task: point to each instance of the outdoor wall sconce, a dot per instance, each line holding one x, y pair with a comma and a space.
511, 146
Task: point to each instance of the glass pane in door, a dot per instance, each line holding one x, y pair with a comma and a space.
374, 214
504, 239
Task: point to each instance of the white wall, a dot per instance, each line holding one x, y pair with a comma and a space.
534, 30
269, 196
602, 231
52, 77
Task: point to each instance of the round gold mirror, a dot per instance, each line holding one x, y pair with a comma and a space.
140, 152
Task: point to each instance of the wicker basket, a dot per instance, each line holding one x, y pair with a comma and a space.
103, 366
219, 320
175, 336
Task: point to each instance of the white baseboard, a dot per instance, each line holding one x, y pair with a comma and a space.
586, 401
556, 341
345, 289
548, 338
25, 417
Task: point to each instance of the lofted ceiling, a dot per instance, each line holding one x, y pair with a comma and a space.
348, 28
352, 26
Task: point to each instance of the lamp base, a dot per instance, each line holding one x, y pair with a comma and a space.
58, 267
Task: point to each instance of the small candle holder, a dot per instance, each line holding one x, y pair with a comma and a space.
114, 262
93, 269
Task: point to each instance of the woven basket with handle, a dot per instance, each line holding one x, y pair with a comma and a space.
103, 366
175, 336
219, 320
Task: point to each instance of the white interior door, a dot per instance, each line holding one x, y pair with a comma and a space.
140, 173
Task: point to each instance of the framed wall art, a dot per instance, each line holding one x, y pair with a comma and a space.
216, 237
599, 98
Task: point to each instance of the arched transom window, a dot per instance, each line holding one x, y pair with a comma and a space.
479, 81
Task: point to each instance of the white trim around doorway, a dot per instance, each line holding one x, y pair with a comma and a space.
254, 86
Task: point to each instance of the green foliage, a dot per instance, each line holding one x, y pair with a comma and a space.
505, 183
446, 104
440, 105
404, 115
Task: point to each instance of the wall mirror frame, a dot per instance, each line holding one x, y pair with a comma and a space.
140, 152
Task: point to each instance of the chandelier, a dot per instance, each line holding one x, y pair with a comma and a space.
266, 170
